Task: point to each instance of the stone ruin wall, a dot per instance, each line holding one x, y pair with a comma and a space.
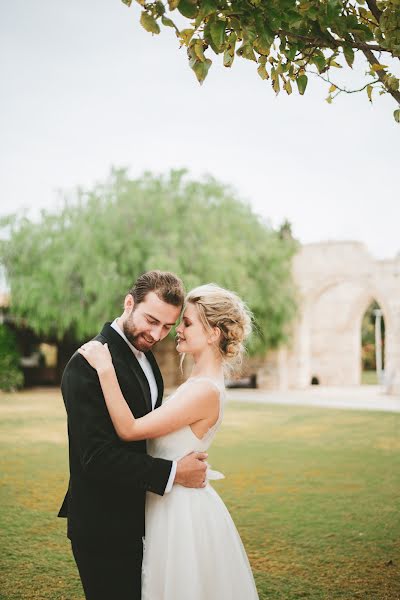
336, 283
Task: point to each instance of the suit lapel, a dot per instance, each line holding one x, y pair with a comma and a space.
118, 345
158, 377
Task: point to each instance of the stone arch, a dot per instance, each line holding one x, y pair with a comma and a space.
366, 299
334, 349
362, 307
369, 293
337, 281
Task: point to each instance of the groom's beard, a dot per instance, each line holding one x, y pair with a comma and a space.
139, 339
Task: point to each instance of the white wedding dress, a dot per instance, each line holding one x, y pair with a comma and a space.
192, 550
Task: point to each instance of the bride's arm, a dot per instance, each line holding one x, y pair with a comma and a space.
183, 409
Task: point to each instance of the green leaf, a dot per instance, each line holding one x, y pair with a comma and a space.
159, 8
262, 71
311, 14
275, 80
228, 58
295, 19
236, 25
229, 53
127, 2
333, 88
319, 61
246, 51
217, 30
207, 37
173, 4
262, 45
207, 8
198, 49
396, 115
275, 18
302, 81
290, 51
392, 83
149, 23
276, 86
188, 9
378, 67
185, 36
362, 32
332, 9
349, 55
168, 22
201, 69
288, 87
369, 92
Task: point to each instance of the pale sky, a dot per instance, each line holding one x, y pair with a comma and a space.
84, 87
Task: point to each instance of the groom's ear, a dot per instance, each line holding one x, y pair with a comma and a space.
129, 302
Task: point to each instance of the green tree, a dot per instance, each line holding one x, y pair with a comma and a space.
288, 39
69, 271
11, 376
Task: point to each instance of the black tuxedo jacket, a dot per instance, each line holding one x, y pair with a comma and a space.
108, 478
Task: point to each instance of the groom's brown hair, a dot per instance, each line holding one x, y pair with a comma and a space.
166, 285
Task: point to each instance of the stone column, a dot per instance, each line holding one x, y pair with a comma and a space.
298, 359
392, 353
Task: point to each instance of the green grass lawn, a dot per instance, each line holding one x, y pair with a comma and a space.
314, 494
369, 378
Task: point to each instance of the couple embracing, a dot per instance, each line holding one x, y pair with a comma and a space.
137, 459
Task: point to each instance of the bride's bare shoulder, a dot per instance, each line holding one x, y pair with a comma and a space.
198, 389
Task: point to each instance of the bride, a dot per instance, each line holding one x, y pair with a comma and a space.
192, 549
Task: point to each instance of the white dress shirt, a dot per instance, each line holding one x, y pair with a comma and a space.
148, 371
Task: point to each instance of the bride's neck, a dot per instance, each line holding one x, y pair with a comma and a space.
207, 364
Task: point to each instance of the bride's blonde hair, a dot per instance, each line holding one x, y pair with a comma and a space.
218, 307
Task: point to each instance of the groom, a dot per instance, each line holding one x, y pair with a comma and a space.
105, 501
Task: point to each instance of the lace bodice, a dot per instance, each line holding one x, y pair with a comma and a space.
177, 444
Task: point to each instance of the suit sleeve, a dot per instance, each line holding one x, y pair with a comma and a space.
102, 455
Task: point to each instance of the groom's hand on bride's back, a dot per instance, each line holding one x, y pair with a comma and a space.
191, 470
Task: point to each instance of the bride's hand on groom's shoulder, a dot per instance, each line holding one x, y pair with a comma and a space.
97, 355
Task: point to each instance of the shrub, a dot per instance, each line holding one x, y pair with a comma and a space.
11, 376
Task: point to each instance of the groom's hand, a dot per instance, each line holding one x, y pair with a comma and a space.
191, 470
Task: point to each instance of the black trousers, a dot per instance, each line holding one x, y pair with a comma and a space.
109, 573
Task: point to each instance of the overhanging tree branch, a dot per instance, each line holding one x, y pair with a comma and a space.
332, 43
382, 75
374, 9
341, 89
285, 42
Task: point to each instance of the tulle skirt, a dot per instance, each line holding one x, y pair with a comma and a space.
192, 550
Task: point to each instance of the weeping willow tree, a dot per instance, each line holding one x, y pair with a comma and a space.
69, 271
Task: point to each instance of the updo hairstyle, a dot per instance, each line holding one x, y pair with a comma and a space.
218, 307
